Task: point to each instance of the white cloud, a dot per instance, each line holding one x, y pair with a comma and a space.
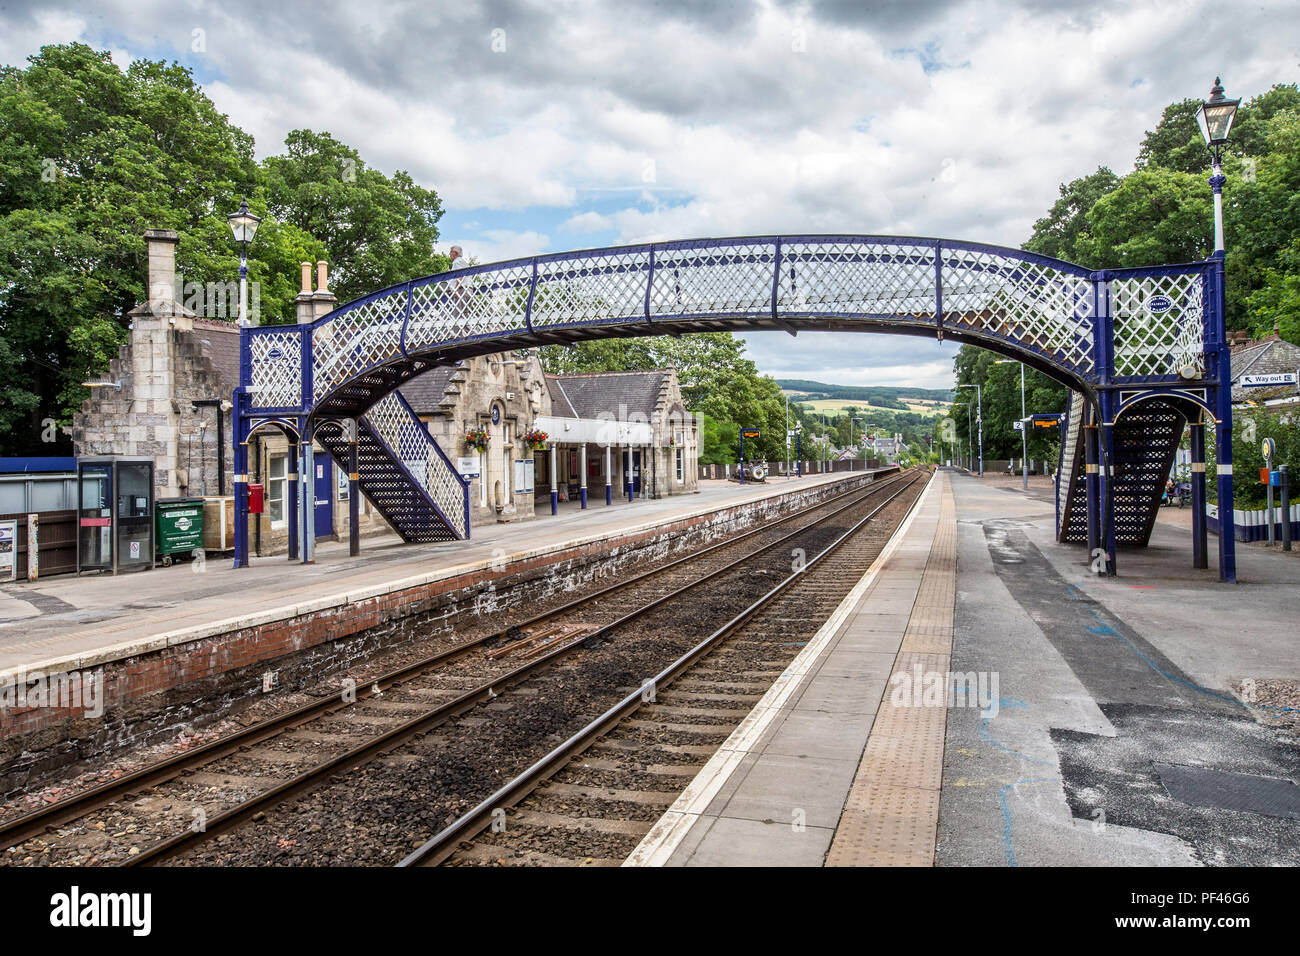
649, 120
496, 245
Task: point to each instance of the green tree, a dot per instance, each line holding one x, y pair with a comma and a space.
1154, 216
717, 441
91, 156
1276, 304
1177, 144
379, 230
1059, 232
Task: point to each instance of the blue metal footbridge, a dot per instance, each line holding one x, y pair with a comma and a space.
1143, 351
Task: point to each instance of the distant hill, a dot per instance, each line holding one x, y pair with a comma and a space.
882, 396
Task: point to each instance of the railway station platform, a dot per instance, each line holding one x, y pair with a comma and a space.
192, 638
69, 621
981, 698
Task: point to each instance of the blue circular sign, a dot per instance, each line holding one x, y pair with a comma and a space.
1159, 303
274, 354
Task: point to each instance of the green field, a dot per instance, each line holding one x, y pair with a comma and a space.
837, 405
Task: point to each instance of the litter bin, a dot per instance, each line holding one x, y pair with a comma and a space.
180, 527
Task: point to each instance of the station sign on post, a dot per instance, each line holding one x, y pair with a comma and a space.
1269, 478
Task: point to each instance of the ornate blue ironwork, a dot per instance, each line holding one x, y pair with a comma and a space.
1097, 331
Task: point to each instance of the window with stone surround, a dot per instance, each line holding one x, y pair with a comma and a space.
277, 483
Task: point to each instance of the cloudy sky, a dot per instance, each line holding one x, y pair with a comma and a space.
559, 125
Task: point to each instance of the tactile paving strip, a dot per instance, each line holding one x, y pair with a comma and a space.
898, 830
891, 816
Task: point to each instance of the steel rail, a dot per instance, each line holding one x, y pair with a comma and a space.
44, 819
869, 488
316, 775
468, 825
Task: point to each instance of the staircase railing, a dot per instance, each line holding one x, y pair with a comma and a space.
1066, 469
393, 422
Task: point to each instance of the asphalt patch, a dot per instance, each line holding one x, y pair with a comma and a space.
1224, 774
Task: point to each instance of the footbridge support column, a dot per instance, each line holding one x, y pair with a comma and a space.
582, 466
307, 497
1092, 487
354, 492
1106, 458
240, 438
1199, 540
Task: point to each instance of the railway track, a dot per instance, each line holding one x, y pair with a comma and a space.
591, 799
229, 781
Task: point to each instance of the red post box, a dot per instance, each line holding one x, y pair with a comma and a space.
256, 499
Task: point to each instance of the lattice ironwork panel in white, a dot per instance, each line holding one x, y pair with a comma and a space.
462, 306
1159, 325
853, 278
276, 365
713, 280
1027, 302
356, 339
408, 442
606, 286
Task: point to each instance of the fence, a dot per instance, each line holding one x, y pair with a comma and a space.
782, 468
1252, 525
56, 541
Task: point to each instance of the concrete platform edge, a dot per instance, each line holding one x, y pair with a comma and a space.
673, 828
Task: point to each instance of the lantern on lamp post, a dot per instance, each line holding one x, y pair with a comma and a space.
244, 225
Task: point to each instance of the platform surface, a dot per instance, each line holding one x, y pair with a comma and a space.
1143, 719
66, 616
775, 794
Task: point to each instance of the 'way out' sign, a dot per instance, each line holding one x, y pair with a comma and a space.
1258, 381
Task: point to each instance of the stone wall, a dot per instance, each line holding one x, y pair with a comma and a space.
475, 388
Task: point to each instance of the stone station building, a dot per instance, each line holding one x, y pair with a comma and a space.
145, 406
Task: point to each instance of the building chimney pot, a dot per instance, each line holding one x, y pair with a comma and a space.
322, 301
306, 277
160, 248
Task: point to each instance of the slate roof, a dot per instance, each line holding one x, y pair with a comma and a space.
561, 407
220, 344
424, 393
1268, 357
620, 394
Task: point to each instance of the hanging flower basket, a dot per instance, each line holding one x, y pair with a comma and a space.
671, 443
535, 438
477, 438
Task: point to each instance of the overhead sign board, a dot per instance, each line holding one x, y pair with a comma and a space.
749, 433
1259, 381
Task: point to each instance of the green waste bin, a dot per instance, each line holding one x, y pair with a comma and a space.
180, 527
